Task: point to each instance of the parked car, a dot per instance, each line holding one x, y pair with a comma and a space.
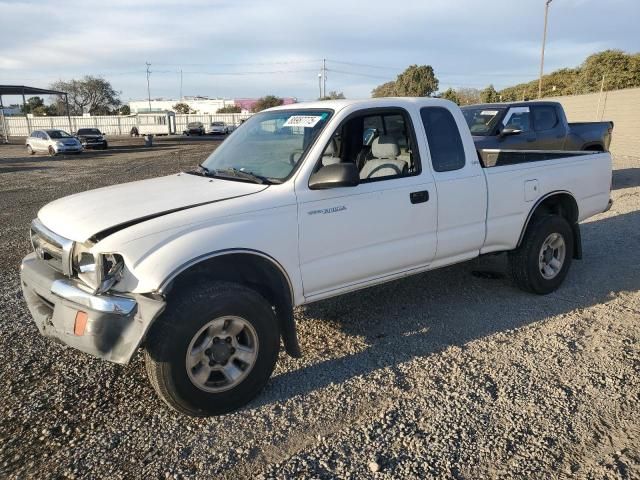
194, 128
202, 269
52, 142
218, 128
536, 125
92, 138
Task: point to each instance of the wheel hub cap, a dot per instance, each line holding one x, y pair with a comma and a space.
221, 354
552, 256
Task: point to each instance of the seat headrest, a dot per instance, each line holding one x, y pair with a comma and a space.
332, 148
385, 146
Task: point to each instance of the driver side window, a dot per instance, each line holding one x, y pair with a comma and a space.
378, 142
518, 118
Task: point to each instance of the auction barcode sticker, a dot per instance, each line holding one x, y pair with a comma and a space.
306, 121
489, 112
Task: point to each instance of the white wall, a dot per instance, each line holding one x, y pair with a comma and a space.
109, 124
202, 106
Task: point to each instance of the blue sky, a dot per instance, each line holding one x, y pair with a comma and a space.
249, 48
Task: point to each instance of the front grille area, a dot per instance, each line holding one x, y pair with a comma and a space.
51, 248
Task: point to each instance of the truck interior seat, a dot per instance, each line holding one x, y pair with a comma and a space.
330, 155
384, 161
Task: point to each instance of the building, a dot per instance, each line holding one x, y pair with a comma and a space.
12, 110
246, 104
201, 105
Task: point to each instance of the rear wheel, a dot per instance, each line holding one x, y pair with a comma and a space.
30, 150
213, 349
542, 261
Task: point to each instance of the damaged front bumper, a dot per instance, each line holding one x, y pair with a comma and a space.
110, 327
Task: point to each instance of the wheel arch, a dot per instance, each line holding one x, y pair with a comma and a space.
558, 202
594, 147
251, 268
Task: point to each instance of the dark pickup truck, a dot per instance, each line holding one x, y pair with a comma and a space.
91, 138
536, 125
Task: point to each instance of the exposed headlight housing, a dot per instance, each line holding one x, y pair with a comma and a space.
100, 271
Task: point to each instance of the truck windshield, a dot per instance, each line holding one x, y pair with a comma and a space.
482, 120
269, 144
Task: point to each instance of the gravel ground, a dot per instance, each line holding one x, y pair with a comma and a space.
450, 374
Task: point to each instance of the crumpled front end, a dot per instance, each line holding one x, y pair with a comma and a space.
107, 326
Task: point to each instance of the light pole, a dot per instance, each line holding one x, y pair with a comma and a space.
544, 40
320, 85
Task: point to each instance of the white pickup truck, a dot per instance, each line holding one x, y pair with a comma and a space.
203, 269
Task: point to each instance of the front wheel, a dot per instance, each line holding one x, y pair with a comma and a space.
30, 150
542, 261
213, 349
52, 152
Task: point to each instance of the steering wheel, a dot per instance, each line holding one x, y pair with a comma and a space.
292, 159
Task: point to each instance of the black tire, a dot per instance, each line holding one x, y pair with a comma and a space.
105, 146
30, 150
524, 263
52, 152
188, 311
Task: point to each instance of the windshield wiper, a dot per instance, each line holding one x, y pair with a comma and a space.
242, 174
233, 172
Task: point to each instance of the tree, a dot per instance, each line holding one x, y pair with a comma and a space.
620, 70
333, 95
489, 95
450, 94
468, 96
415, 81
32, 103
124, 110
265, 102
36, 107
93, 95
230, 109
385, 90
182, 108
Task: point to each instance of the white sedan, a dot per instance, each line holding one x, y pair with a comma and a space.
217, 128
52, 142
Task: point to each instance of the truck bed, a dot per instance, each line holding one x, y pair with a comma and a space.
496, 158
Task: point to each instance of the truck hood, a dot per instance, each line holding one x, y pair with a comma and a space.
83, 215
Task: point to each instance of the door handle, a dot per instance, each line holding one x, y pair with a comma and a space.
419, 197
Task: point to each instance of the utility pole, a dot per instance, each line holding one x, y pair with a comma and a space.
180, 84
544, 40
324, 77
600, 99
320, 86
148, 88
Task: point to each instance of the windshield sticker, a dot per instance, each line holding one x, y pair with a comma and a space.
306, 121
489, 112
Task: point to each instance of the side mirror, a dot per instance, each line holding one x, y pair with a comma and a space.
506, 132
334, 176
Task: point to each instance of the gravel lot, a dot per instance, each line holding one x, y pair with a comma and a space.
450, 374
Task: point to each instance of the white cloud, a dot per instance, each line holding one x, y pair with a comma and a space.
466, 41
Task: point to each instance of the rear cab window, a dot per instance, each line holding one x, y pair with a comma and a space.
545, 117
443, 137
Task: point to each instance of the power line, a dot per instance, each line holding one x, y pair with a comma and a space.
292, 62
